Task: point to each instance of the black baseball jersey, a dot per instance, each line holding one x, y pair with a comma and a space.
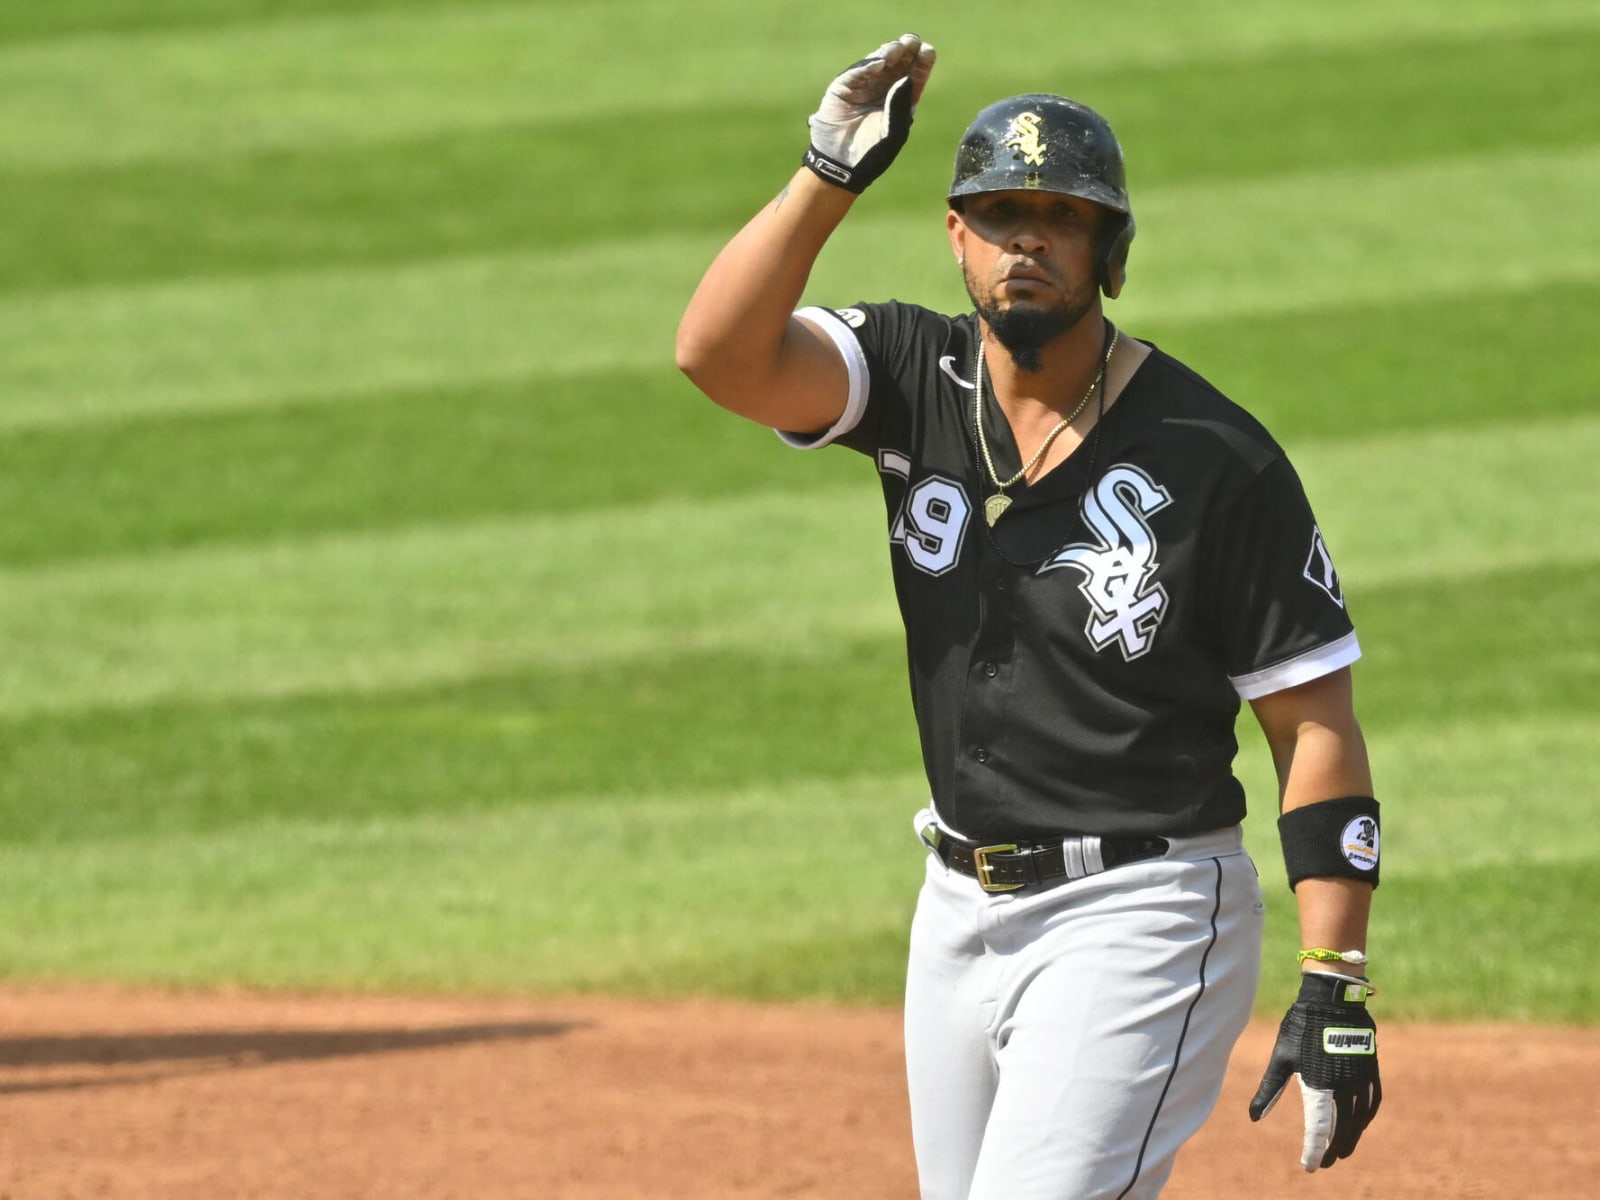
1078, 667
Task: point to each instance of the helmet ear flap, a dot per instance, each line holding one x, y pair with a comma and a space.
1113, 265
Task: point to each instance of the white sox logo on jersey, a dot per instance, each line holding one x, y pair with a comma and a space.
1124, 607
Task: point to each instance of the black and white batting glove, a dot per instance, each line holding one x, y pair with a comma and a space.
865, 116
1328, 1039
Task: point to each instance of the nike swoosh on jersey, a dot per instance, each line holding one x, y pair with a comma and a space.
947, 364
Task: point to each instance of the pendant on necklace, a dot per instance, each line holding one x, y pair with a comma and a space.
994, 506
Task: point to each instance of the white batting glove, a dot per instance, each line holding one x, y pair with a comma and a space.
865, 115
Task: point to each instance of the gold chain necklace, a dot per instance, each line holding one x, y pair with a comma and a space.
997, 504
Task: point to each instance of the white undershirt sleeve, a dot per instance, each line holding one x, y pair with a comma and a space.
1313, 664
855, 361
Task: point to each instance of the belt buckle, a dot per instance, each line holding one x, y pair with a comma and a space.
984, 868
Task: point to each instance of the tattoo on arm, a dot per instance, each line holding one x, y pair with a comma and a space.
782, 196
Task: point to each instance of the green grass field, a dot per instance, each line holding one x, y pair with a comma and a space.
380, 609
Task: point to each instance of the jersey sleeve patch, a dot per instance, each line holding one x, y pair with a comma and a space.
838, 327
1303, 668
1319, 568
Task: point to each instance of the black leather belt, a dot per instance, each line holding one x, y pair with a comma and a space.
1007, 867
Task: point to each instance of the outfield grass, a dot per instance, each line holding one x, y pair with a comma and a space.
378, 607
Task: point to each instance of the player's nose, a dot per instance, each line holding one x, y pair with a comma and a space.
1028, 237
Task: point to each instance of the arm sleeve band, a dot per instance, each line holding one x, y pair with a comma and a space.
855, 363
1332, 839
1303, 668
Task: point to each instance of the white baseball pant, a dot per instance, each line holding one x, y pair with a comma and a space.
1062, 1044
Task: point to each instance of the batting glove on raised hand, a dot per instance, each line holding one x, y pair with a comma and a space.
1330, 1041
865, 116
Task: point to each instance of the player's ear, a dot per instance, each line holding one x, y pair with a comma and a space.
957, 230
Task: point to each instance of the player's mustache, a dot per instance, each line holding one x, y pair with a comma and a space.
1026, 268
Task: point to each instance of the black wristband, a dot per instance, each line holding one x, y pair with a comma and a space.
831, 170
1332, 839
1325, 987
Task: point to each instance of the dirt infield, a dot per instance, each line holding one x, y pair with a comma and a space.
138, 1095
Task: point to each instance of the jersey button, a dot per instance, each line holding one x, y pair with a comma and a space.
981, 754
990, 670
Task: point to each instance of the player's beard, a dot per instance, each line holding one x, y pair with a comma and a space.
1025, 328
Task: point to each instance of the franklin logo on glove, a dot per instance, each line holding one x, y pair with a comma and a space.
1349, 1041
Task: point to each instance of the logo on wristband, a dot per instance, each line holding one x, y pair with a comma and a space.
1359, 842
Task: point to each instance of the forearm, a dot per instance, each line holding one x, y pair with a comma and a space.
737, 327
1330, 762
1333, 916
1329, 829
1321, 755
739, 340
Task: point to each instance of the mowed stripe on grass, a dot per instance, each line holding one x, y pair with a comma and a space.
718, 717
473, 898
481, 907
508, 188
1289, 244
402, 607
120, 488
343, 79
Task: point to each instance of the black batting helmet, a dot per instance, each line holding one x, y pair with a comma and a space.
1051, 144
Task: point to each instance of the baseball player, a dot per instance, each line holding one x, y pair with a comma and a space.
1097, 556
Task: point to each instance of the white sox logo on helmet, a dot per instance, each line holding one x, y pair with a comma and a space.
1124, 607
1022, 135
